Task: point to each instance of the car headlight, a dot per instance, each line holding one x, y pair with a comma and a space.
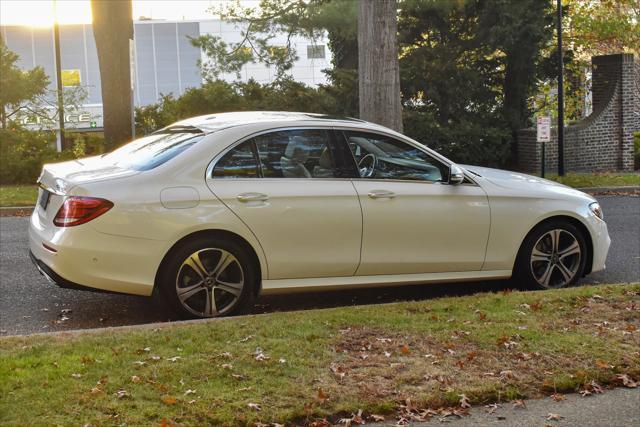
596, 210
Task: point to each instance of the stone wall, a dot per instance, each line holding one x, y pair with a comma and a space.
604, 140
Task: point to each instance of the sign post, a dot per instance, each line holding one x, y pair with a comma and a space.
543, 135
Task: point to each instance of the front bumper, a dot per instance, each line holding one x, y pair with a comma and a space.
601, 243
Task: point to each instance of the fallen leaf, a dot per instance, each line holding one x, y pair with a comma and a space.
405, 349
174, 359
76, 376
519, 403
169, 400
626, 381
558, 397
96, 390
254, 406
321, 396
464, 401
135, 379
226, 366
121, 394
554, 417
188, 392
377, 418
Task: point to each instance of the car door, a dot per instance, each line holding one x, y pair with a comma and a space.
413, 220
287, 186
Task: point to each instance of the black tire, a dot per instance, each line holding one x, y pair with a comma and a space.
531, 273
175, 275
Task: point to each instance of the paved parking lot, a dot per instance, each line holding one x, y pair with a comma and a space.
30, 304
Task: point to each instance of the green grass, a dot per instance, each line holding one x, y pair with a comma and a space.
490, 347
18, 195
604, 179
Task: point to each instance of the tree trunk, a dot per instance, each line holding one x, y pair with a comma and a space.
112, 30
378, 69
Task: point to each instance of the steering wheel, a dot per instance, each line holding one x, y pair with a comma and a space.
367, 165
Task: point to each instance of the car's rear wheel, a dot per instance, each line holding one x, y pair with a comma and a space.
552, 256
208, 277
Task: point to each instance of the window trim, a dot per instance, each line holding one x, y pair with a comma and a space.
333, 140
435, 156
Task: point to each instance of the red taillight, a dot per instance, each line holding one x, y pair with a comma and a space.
77, 210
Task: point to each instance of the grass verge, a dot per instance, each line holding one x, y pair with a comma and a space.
604, 179
301, 366
18, 195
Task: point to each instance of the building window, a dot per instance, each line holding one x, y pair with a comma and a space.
315, 51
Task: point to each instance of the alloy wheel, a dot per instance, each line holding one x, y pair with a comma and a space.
555, 258
210, 282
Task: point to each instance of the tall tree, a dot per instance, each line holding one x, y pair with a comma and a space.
112, 30
378, 68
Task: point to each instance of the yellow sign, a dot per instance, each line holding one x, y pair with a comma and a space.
70, 77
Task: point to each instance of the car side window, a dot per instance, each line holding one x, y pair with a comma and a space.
239, 162
299, 153
381, 157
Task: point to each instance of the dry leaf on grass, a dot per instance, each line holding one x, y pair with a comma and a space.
321, 396
254, 406
464, 401
626, 381
169, 400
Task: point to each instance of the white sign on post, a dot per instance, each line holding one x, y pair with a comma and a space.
544, 129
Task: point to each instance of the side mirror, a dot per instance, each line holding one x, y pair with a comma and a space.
456, 175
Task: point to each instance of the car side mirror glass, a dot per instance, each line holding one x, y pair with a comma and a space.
456, 175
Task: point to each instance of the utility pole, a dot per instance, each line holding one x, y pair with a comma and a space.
56, 42
560, 94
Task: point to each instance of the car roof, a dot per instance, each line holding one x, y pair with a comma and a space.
212, 122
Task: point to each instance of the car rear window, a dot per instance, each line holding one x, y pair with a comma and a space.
153, 150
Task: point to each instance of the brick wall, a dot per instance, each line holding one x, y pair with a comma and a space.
604, 140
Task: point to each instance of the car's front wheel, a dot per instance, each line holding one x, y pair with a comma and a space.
552, 256
208, 277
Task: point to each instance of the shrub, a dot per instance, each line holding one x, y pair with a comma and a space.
23, 152
636, 149
463, 142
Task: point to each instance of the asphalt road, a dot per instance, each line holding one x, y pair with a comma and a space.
29, 304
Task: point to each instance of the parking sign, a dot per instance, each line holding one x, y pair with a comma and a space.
544, 129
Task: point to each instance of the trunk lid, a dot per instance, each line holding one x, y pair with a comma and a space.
59, 178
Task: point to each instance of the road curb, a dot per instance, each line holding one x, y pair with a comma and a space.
613, 189
16, 211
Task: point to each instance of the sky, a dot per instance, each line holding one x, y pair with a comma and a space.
41, 13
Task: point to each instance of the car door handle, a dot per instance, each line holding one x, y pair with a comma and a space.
382, 194
252, 197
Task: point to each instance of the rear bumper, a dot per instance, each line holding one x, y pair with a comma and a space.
83, 258
60, 281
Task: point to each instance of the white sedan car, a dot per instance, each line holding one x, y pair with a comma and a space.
211, 211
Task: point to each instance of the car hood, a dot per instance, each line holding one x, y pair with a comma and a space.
60, 177
523, 183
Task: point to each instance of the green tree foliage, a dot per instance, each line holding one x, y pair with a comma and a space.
469, 67
19, 90
219, 96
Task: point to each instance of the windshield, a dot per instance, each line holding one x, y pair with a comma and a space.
153, 150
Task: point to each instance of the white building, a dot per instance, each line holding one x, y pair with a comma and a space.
165, 60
